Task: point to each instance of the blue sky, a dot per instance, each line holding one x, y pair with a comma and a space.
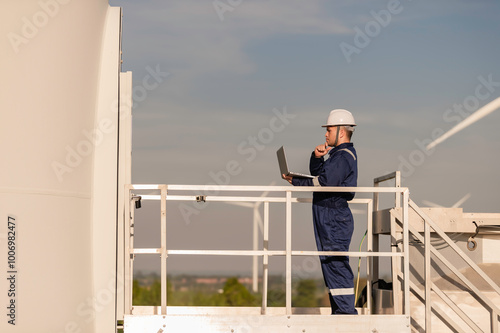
227, 76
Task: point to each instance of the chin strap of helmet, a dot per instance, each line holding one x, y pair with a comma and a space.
337, 136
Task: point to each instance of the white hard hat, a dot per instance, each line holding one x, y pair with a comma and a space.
340, 117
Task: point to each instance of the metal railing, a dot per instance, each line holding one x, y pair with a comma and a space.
282, 194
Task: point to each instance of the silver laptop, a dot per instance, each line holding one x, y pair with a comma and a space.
284, 166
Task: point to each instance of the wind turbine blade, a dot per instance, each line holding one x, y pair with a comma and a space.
461, 201
482, 112
267, 192
431, 204
259, 221
456, 205
239, 203
257, 204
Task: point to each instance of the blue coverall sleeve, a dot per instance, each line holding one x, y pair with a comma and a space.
315, 164
302, 181
329, 173
333, 174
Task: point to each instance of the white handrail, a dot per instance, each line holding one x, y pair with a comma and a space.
166, 195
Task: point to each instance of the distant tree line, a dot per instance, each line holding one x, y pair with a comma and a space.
305, 294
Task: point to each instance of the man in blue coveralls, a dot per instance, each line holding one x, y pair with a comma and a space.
334, 163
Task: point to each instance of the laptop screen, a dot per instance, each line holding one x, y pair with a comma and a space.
282, 161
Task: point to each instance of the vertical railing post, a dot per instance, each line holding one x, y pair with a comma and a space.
288, 260
131, 255
163, 198
255, 259
494, 321
396, 267
265, 258
427, 271
396, 262
406, 250
128, 282
375, 261
369, 248
397, 283
375, 196
397, 179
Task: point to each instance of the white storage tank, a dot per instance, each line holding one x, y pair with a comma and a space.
59, 179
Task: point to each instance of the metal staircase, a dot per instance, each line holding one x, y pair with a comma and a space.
434, 309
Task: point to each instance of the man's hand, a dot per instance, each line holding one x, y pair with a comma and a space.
321, 150
287, 178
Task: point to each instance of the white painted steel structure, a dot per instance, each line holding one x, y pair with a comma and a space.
65, 139
279, 194
404, 222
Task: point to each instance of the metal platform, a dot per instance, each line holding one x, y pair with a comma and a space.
249, 320
418, 302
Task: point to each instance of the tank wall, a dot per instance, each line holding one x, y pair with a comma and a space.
49, 87
50, 67
105, 176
